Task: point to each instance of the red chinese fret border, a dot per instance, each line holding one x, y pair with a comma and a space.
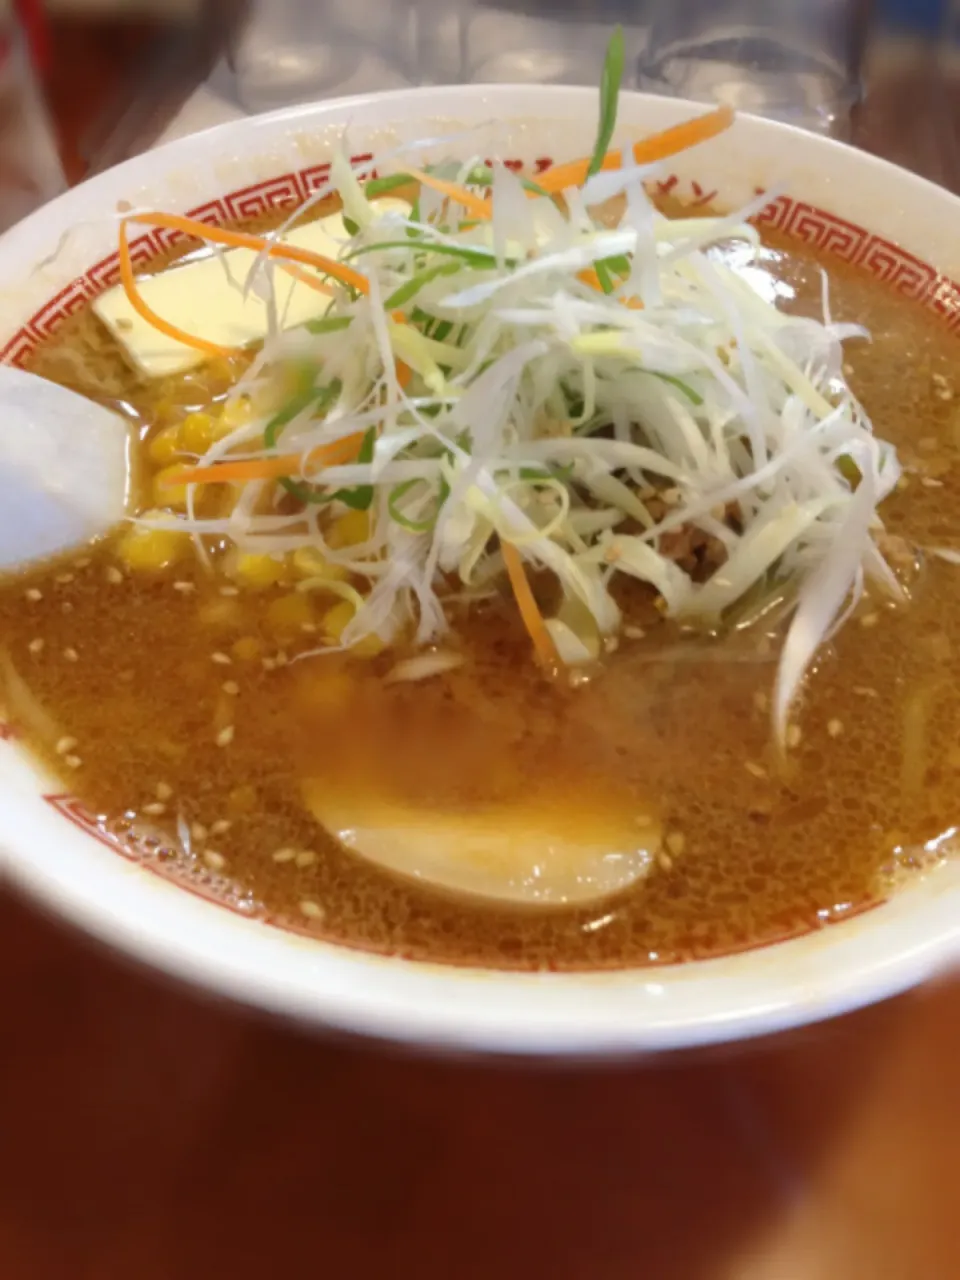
898, 269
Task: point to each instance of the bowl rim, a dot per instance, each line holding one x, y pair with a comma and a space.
620, 1012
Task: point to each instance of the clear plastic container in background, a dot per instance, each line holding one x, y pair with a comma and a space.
520, 41
297, 50
796, 60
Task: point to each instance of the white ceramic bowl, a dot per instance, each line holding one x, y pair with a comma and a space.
893, 224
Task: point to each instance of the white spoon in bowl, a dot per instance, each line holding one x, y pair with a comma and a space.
64, 468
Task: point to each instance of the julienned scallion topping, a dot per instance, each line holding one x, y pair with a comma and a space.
525, 390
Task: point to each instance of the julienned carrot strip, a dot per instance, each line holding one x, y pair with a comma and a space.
543, 645
129, 281
683, 136
134, 297
243, 240
270, 468
573, 173
658, 146
459, 195
589, 277
305, 278
284, 253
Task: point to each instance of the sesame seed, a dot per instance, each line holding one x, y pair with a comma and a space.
71, 655
221, 659
676, 842
312, 910
929, 482
794, 734
63, 578
198, 831
665, 862
73, 762
155, 808
231, 687
284, 855
221, 826
306, 858
225, 736
869, 619
83, 562
944, 393
113, 575
33, 595
757, 770
215, 861
164, 790
309, 628
184, 587
268, 664
65, 746
634, 633
281, 659
66, 607
229, 591
835, 728
761, 701
939, 380
865, 691
36, 646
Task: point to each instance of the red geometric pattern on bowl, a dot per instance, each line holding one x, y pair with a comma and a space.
899, 270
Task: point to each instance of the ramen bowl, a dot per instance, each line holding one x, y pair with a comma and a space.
854, 207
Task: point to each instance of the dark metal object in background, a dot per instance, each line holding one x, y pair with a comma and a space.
114, 80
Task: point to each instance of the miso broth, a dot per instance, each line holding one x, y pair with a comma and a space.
182, 702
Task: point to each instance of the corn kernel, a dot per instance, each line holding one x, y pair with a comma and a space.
196, 433
252, 569
152, 549
368, 647
337, 619
309, 563
348, 530
237, 412
289, 614
164, 446
166, 494
225, 613
246, 649
335, 622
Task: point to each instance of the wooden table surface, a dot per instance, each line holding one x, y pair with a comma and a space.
147, 1133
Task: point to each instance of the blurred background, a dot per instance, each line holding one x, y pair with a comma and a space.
111, 77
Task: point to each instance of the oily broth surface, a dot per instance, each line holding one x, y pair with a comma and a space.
750, 858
